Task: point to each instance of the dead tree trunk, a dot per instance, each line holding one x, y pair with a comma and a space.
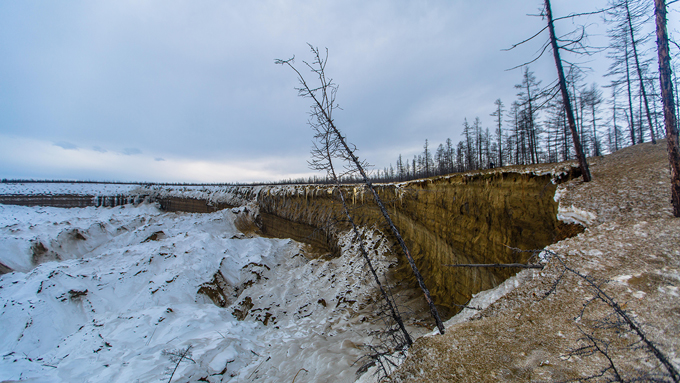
670, 119
639, 72
631, 120
323, 114
326, 163
583, 164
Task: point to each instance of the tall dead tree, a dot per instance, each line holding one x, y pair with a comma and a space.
627, 18
634, 45
498, 113
320, 109
326, 148
580, 156
670, 119
572, 45
528, 94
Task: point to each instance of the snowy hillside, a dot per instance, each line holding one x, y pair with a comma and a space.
103, 294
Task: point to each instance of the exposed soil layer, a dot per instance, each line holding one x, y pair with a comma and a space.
65, 200
190, 205
466, 218
631, 250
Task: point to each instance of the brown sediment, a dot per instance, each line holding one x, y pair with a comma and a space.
447, 220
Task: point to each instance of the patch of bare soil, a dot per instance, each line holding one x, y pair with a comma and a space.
553, 327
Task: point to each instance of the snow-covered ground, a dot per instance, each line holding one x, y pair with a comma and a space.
103, 294
74, 188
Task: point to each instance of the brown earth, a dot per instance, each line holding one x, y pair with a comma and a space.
547, 328
462, 218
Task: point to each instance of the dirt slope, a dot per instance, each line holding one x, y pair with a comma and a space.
632, 250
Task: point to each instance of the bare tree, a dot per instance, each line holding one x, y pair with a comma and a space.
328, 146
583, 164
627, 18
529, 92
323, 97
467, 132
592, 99
670, 119
574, 45
639, 12
427, 159
177, 356
498, 113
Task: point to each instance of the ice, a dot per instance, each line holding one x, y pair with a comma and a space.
572, 214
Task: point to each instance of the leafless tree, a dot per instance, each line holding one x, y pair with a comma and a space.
670, 119
498, 113
583, 164
633, 13
557, 44
323, 104
177, 356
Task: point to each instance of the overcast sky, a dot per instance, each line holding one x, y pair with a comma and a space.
188, 90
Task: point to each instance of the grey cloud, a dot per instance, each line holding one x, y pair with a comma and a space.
205, 87
66, 145
131, 151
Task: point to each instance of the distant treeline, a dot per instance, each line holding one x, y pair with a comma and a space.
289, 181
25, 181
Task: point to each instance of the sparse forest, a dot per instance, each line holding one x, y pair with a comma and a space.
625, 108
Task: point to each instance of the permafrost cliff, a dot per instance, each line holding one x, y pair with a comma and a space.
468, 218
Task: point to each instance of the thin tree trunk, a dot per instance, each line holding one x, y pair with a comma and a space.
616, 135
530, 125
583, 164
657, 130
390, 304
631, 120
596, 144
639, 72
510, 265
670, 118
349, 155
500, 136
641, 134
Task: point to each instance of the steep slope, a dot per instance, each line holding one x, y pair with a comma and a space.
631, 248
463, 218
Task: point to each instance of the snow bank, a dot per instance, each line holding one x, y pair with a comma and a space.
75, 188
120, 287
485, 298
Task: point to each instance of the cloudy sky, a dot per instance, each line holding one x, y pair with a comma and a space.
188, 90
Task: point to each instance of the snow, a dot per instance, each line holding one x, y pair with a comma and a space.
572, 214
485, 298
71, 188
107, 297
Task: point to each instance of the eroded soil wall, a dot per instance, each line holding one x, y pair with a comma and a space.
452, 220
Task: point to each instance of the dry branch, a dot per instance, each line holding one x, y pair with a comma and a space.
517, 265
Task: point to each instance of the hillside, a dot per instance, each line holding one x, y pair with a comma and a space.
552, 327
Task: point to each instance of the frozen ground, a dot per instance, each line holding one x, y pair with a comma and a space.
102, 294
